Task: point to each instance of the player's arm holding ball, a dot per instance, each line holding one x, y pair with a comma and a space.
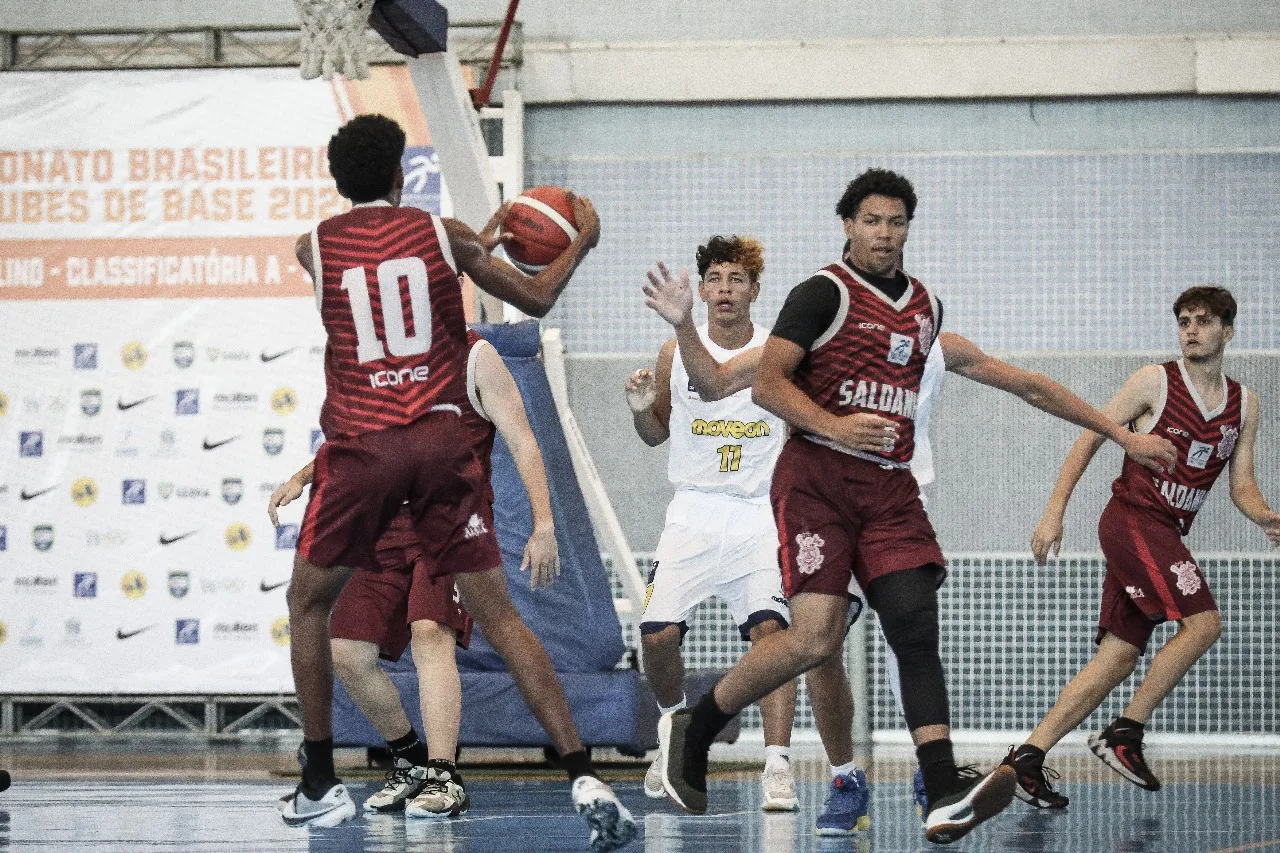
1245, 493
649, 398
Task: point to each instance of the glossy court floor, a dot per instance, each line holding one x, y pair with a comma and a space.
118, 801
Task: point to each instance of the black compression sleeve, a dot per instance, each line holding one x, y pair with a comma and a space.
808, 311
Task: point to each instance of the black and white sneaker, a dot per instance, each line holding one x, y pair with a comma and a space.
1034, 787
1121, 750
404, 782
612, 826
684, 763
333, 808
975, 798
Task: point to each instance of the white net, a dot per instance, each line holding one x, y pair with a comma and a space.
333, 38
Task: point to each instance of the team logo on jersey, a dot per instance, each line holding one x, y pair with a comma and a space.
238, 536
1188, 577
1199, 454
91, 402
84, 357
900, 348
475, 527
134, 355
184, 354
925, 322
1230, 435
280, 631
42, 537
1135, 592
84, 492
284, 401
179, 584
232, 490
133, 584
809, 557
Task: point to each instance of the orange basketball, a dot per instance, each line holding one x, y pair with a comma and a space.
541, 225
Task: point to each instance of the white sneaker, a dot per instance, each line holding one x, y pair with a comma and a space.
611, 824
779, 787
404, 782
330, 810
653, 778
443, 795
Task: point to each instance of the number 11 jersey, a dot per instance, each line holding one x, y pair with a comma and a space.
391, 304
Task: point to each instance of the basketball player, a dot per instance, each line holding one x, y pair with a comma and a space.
1151, 577
851, 341
380, 613
395, 374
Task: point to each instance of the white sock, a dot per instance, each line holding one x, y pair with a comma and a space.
844, 769
775, 754
679, 706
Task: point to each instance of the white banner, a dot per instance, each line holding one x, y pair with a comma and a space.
161, 367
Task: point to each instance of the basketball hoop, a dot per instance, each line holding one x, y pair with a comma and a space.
333, 38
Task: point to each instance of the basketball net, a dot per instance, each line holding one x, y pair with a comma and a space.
333, 38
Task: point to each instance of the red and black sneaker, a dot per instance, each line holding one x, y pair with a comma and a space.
1033, 783
1121, 750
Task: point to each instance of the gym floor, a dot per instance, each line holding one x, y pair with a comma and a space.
70, 795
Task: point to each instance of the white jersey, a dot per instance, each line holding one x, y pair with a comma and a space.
935, 368
727, 447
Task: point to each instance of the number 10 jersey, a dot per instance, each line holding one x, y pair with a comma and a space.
391, 304
726, 447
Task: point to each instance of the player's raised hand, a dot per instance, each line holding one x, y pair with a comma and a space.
541, 557
1151, 451
285, 494
587, 220
1047, 537
671, 298
641, 390
492, 234
867, 432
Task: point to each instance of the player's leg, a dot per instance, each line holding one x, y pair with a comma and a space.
1195, 635
440, 693
664, 670
848, 798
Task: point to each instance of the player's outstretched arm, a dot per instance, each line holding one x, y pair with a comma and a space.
289, 491
501, 401
1137, 397
534, 295
649, 398
1245, 493
774, 390
673, 300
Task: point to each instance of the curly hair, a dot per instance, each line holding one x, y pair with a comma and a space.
1218, 301
364, 155
876, 182
747, 251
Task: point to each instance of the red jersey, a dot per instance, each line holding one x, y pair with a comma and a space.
1204, 441
400, 533
391, 305
872, 357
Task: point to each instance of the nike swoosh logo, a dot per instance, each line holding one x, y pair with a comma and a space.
26, 496
124, 635
169, 540
265, 588
124, 407
273, 356
214, 445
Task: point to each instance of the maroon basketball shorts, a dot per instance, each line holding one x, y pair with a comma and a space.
1151, 576
361, 483
841, 517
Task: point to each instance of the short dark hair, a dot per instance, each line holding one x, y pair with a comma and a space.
732, 250
1218, 301
364, 155
876, 182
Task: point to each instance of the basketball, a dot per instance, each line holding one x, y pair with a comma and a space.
541, 225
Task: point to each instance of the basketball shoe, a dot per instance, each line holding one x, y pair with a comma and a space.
331, 809
1120, 748
1034, 787
404, 782
443, 793
611, 824
973, 799
653, 777
846, 807
779, 786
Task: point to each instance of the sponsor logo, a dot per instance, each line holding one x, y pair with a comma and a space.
105, 538
35, 356
80, 443
39, 584
219, 354
1176, 431
132, 404
85, 585
168, 443
475, 527
235, 401
388, 378
4, 632
809, 557
84, 492
35, 405
283, 401
169, 490
187, 401
878, 398
1199, 454
31, 444
269, 488
925, 322
42, 537
122, 634
133, 584
266, 587
222, 586
235, 630
214, 445
184, 354
30, 637
4, 538
26, 496
273, 441
4, 404
267, 357
280, 631
317, 439
71, 633
179, 584
85, 357
91, 402
730, 429
232, 490
1227, 446
1135, 592
169, 540
900, 348
1188, 574
287, 537
238, 536
133, 492
879, 327
186, 632
134, 355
